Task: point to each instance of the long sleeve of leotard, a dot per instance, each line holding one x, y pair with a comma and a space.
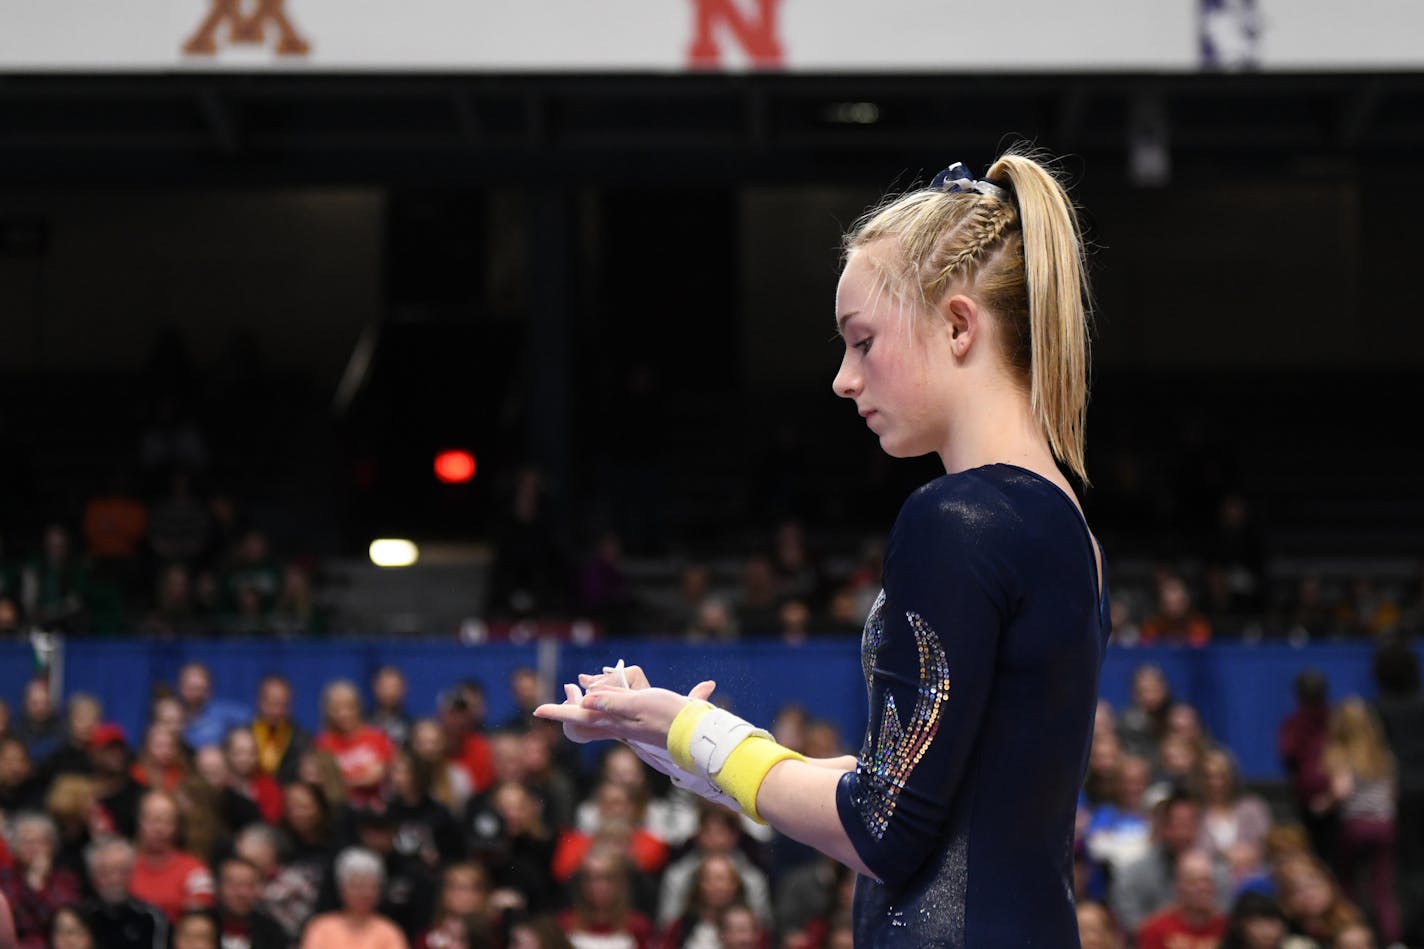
930, 648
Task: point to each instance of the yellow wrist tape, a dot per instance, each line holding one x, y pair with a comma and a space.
747, 767
679, 740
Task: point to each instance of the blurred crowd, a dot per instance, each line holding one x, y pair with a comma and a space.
1173, 850
227, 825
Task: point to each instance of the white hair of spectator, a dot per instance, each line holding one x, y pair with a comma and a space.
103, 845
34, 819
358, 861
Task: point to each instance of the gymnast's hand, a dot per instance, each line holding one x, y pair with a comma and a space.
609, 711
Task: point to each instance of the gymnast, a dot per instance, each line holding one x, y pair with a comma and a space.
964, 311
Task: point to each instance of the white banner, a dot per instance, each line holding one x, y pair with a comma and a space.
807, 36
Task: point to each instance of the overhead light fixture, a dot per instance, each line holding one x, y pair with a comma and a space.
393, 552
853, 113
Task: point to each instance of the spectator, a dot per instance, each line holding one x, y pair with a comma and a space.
462, 914
449, 781
240, 921
553, 788
718, 834
1401, 713
603, 593
1194, 919
671, 821
208, 720
71, 805
363, 753
121, 920
715, 621
39, 726
247, 778
169, 878
34, 886
1312, 899
794, 621
388, 688
1229, 814
510, 838
716, 887
1144, 722
797, 575
527, 693
425, 830
280, 741
359, 879
1119, 832
1095, 927
161, 764
179, 525
741, 929
462, 714
53, 585
254, 571
175, 613
758, 600
1175, 622
1257, 922
196, 929
288, 893
115, 789
408, 896
20, 788
1301, 741
530, 574
614, 805
209, 813
70, 929
82, 715
296, 611
1362, 776
602, 914
1147, 885
115, 522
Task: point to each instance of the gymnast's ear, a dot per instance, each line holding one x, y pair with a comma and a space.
962, 321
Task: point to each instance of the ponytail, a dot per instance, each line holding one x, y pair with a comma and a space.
1015, 240
1059, 305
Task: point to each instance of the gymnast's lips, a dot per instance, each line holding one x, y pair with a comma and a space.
866, 413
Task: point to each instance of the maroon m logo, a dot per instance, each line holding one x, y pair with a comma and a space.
246, 29
755, 31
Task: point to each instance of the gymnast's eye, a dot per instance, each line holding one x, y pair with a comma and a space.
863, 345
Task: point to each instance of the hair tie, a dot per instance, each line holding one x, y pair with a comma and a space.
958, 178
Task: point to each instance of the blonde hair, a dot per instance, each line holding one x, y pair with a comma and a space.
1356, 743
1023, 259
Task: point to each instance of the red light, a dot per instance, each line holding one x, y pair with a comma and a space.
454, 467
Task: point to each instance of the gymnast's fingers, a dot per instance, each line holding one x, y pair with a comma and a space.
702, 690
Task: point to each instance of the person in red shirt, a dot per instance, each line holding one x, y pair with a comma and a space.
170, 879
462, 717
362, 752
603, 912
1194, 921
617, 819
1175, 623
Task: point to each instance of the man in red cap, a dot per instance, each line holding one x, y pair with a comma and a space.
114, 786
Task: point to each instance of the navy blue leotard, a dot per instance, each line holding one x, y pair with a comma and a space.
981, 658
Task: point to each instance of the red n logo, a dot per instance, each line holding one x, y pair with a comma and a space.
754, 29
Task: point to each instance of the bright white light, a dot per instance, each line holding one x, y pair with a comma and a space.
393, 552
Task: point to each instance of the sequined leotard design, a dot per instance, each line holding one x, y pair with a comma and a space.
982, 655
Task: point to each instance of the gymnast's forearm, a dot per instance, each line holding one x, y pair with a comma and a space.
798, 798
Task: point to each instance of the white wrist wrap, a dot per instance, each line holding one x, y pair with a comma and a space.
717, 733
658, 759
